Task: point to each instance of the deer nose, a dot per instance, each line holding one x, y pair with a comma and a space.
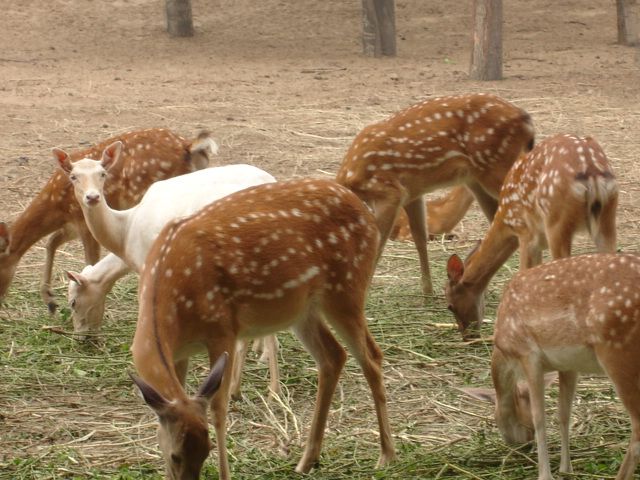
92, 198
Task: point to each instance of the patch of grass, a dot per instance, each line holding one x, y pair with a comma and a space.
68, 409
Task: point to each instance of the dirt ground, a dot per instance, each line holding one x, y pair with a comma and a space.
283, 84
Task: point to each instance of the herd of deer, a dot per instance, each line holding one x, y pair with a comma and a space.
226, 254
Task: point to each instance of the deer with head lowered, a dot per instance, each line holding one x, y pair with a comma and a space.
291, 254
463, 139
147, 156
564, 185
129, 234
574, 315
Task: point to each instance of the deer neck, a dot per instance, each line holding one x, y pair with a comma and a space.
155, 344
107, 226
42, 216
505, 382
497, 246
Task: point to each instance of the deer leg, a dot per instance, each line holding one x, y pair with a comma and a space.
270, 351
559, 237
90, 245
535, 380
488, 204
235, 377
568, 381
59, 237
350, 324
330, 358
181, 367
605, 237
624, 376
416, 214
220, 401
386, 212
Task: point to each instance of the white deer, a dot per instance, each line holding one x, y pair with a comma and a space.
574, 315
129, 234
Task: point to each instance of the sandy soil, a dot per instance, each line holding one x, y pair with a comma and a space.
283, 84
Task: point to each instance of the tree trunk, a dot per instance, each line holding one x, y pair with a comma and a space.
378, 27
628, 22
179, 19
486, 55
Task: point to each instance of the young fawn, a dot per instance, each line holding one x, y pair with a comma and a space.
148, 155
463, 139
284, 255
130, 233
574, 315
562, 186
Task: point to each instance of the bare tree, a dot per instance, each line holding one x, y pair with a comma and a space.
179, 19
628, 22
486, 55
379, 27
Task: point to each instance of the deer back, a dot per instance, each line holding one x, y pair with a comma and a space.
438, 142
563, 176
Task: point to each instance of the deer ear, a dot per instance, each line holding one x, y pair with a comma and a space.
212, 383
455, 268
76, 277
484, 394
62, 159
111, 154
156, 401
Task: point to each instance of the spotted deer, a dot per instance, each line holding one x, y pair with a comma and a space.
463, 139
564, 185
148, 155
129, 234
291, 254
574, 315
443, 214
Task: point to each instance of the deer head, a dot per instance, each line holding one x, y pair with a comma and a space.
183, 433
465, 303
87, 176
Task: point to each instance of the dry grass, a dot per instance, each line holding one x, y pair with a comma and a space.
69, 410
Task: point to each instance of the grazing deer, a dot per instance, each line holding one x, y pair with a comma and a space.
562, 186
130, 233
462, 139
573, 315
443, 214
283, 255
148, 155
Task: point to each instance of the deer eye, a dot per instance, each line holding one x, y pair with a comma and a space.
103, 174
176, 459
73, 178
72, 304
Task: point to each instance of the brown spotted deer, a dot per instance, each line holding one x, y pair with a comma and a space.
574, 315
290, 254
443, 214
564, 185
148, 155
462, 139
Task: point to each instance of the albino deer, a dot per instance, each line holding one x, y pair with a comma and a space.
562, 186
462, 139
283, 255
148, 155
130, 233
443, 214
573, 315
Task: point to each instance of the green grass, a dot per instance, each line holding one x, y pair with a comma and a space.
69, 411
